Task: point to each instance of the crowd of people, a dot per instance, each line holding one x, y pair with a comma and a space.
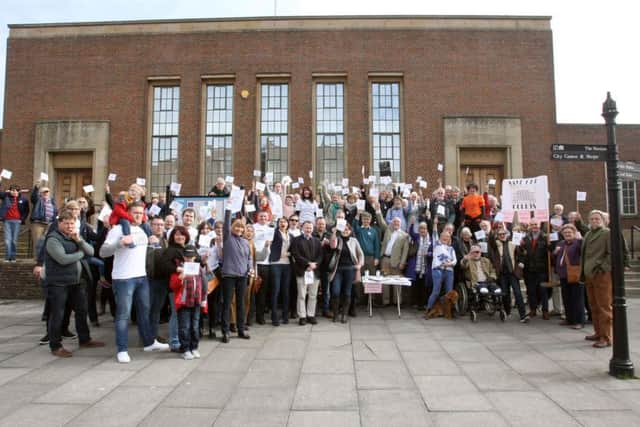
292, 254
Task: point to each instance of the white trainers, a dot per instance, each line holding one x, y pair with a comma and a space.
156, 346
196, 354
497, 291
123, 357
484, 291
187, 355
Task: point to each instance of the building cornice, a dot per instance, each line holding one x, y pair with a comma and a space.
303, 23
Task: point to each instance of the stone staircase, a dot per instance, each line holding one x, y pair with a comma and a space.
632, 279
24, 243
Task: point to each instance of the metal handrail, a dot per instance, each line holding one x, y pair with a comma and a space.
633, 228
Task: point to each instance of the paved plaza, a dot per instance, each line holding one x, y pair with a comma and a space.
379, 371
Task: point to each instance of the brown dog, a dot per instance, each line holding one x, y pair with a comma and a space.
449, 302
444, 306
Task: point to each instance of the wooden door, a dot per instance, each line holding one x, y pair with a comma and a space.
483, 177
69, 183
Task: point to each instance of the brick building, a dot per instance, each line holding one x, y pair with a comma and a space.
191, 100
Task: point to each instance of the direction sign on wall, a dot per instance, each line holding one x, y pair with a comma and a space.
579, 152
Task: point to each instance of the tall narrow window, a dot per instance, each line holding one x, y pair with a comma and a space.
629, 198
274, 129
219, 133
164, 136
385, 109
330, 131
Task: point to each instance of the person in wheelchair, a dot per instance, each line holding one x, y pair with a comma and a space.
482, 276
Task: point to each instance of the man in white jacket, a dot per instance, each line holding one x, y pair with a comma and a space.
130, 282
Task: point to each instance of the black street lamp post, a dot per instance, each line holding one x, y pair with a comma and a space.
620, 364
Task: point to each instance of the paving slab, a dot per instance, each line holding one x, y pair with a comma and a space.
203, 390
469, 419
524, 408
329, 361
272, 373
451, 393
430, 363
371, 349
324, 418
382, 374
126, 406
495, 376
42, 415
607, 418
86, 388
326, 392
402, 408
172, 417
224, 359
244, 418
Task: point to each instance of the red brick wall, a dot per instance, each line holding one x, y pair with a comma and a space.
590, 176
461, 72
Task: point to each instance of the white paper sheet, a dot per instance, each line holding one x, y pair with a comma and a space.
308, 277
175, 187
44, 176
88, 188
141, 181
191, 268
260, 186
112, 177
480, 234
341, 224
7, 174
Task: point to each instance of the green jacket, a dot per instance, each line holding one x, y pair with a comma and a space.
595, 256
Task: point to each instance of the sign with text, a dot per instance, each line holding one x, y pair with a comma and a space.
579, 152
525, 196
629, 170
372, 287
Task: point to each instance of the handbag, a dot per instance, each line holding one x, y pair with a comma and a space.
413, 248
257, 283
573, 271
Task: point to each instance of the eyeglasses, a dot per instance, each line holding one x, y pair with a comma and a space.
293, 220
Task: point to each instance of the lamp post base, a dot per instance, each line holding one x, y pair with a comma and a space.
622, 369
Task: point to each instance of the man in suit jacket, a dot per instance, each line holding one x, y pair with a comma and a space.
393, 250
306, 252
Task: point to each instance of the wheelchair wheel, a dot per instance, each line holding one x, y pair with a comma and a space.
463, 298
503, 315
473, 316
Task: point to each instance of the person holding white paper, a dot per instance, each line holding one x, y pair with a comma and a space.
236, 267
345, 271
306, 207
536, 269
14, 210
306, 252
190, 297
264, 235
130, 283
507, 259
220, 188
280, 271
394, 252
43, 212
444, 260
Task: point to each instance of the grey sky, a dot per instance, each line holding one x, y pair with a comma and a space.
595, 42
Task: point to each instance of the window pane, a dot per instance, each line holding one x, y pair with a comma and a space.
164, 137
274, 128
329, 132
219, 137
385, 113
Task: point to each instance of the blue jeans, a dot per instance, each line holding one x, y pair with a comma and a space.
439, 276
189, 328
326, 289
280, 279
233, 285
174, 340
509, 282
128, 292
11, 232
341, 285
